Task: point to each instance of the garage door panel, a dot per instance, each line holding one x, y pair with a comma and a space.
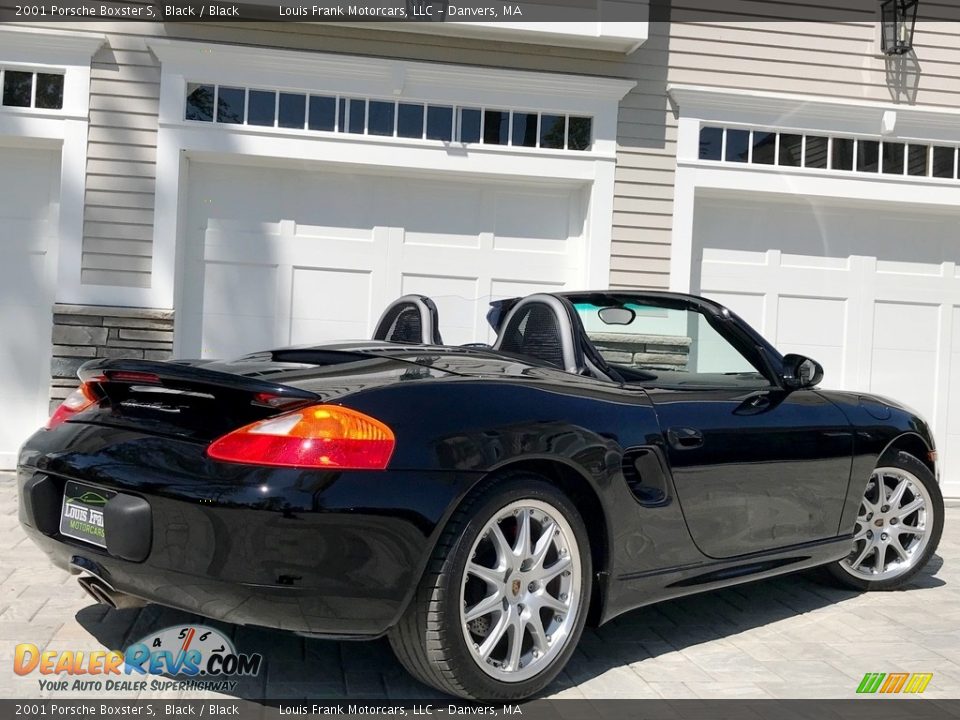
450, 239
790, 260
329, 304
456, 299
801, 318
514, 231
896, 267
239, 305
905, 326
906, 375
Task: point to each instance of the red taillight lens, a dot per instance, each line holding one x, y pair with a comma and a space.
77, 401
320, 436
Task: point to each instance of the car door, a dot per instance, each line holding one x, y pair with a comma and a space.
755, 466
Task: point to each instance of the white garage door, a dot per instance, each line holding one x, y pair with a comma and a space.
870, 292
277, 256
29, 190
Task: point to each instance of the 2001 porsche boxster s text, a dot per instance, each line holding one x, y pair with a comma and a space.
479, 504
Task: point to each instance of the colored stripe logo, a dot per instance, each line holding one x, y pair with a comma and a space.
889, 683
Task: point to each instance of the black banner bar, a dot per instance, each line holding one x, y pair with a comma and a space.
456, 11
873, 707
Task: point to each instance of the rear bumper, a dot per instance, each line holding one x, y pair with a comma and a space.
318, 553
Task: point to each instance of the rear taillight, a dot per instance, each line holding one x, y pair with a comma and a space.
319, 436
76, 402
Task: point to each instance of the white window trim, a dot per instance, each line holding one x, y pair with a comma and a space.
809, 114
178, 139
41, 50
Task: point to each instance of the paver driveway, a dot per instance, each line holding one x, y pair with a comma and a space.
783, 638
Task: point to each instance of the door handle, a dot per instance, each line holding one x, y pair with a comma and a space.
684, 438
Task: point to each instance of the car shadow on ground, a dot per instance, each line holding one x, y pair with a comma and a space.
306, 668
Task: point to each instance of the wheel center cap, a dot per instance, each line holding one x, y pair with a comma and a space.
515, 587
878, 522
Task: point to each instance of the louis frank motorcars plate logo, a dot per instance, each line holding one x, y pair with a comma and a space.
191, 657
82, 514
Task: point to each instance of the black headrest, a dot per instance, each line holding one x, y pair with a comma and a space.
545, 327
411, 319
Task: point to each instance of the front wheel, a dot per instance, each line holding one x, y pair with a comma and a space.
504, 600
898, 526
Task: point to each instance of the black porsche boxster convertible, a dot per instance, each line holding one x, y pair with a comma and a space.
478, 504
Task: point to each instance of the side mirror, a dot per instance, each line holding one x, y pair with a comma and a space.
801, 372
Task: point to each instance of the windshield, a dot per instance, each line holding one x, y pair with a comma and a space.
652, 344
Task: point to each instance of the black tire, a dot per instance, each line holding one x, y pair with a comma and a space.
907, 462
428, 640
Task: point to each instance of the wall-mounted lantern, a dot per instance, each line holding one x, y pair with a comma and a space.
897, 21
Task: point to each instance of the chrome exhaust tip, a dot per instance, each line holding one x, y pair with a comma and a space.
104, 594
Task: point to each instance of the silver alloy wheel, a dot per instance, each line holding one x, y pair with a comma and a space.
520, 593
892, 526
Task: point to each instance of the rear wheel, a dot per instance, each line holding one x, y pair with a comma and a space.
502, 605
899, 524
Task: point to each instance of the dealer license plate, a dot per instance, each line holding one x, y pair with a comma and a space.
82, 515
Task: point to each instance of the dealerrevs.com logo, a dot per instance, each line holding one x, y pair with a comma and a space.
195, 656
890, 683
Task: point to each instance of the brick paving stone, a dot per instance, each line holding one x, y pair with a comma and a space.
787, 637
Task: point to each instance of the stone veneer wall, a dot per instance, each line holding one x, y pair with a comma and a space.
84, 332
643, 350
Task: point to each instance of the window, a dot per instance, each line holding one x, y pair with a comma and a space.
323, 112
917, 159
380, 120
410, 121
943, 162
439, 123
580, 133
263, 108
357, 116
791, 150
200, 100
711, 143
292, 111
667, 345
842, 156
553, 131
49, 95
868, 156
525, 129
496, 127
207, 102
230, 105
816, 151
738, 146
25, 89
17, 88
469, 125
893, 158
764, 148
794, 150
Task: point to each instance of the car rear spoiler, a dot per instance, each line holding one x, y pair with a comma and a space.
182, 376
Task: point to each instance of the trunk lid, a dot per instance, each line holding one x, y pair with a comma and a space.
202, 400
